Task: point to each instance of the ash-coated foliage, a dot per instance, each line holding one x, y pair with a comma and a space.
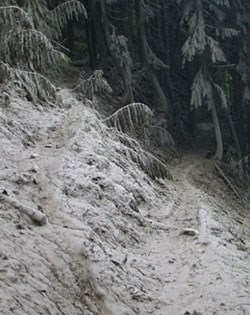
13, 16
26, 48
127, 119
96, 84
23, 50
130, 116
202, 90
204, 39
238, 168
37, 86
119, 47
52, 22
136, 116
150, 164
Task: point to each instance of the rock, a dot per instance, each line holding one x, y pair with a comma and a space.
190, 232
34, 155
35, 168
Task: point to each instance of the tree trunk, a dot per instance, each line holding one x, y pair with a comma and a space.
143, 44
90, 36
127, 20
218, 137
234, 133
127, 97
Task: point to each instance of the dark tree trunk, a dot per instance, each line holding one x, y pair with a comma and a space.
218, 137
107, 27
143, 50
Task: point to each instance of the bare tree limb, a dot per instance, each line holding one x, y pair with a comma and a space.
36, 216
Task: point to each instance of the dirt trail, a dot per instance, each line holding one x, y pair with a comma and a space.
113, 243
201, 274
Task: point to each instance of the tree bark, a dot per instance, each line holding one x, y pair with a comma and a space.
234, 133
145, 58
218, 137
128, 94
90, 35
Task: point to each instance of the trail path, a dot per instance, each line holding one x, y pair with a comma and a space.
201, 274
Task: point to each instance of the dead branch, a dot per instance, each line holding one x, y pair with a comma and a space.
35, 215
228, 182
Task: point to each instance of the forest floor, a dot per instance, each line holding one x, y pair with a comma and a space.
116, 242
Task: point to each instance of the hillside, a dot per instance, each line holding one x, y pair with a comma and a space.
114, 241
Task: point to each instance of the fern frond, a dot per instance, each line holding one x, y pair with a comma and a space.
147, 162
126, 118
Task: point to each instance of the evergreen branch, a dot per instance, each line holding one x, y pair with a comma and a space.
222, 95
201, 90
66, 11
126, 118
36, 85
150, 164
13, 15
23, 49
217, 54
160, 136
96, 84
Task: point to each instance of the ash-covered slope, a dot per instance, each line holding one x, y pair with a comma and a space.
115, 241
64, 163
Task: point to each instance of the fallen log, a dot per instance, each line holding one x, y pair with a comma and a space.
36, 216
